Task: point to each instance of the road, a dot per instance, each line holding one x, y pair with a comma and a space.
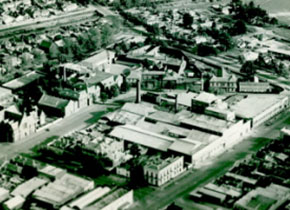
79, 120
198, 177
55, 21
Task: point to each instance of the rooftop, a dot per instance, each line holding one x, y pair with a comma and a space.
52, 101
185, 98
22, 81
255, 104
4, 92
109, 198
28, 187
156, 163
206, 97
98, 58
75, 67
89, 197
146, 138
264, 198
97, 77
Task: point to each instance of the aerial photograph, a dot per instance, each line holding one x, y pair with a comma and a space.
145, 105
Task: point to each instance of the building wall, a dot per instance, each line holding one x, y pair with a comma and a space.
226, 85
254, 87
70, 108
270, 112
159, 177
231, 137
123, 172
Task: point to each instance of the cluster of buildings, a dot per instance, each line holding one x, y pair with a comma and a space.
258, 182
15, 11
22, 120
50, 187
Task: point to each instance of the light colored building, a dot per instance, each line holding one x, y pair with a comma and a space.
254, 87
202, 101
285, 133
101, 61
114, 200
62, 190
224, 81
259, 107
89, 198
28, 187
271, 197
159, 171
14, 203
6, 96
4, 194
51, 172
23, 124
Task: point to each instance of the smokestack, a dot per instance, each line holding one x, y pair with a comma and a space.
138, 91
176, 104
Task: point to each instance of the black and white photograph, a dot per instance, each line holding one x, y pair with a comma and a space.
144, 104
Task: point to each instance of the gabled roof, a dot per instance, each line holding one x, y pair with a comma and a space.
52, 101
23, 81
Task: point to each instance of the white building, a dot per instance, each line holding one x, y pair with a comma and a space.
158, 171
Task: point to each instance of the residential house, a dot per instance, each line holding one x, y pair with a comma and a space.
49, 47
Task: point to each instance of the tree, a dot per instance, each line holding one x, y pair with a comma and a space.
125, 86
6, 132
135, 150
187, 20
239, 28
104, 96
115, 91
248, 68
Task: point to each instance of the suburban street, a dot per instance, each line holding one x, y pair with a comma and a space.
79, 120
213, 169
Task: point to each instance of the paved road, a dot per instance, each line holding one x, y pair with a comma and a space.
193, 179
79, 120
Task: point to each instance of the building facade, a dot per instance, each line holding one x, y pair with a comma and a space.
157, 171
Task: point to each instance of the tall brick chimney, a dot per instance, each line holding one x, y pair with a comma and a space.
138, 91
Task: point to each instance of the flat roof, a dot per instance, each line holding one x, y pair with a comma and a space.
22, 81
255, 104
155, 162
186, 98
14, 202
146, 138
205, 97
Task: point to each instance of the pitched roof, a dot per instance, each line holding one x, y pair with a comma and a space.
98, 77
52, 101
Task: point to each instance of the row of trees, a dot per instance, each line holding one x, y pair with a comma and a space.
250, 13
